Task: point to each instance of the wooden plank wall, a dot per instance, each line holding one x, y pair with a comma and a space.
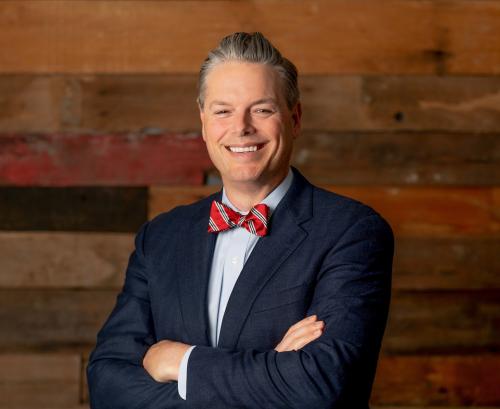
99, 132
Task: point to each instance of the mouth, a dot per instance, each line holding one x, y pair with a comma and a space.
245, 149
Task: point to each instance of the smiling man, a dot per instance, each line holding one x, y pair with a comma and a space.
272, 293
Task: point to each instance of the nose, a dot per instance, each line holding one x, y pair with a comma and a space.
243, 125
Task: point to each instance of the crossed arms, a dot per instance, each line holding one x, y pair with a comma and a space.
162, 360
351, 299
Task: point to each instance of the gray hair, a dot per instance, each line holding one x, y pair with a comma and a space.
253, 48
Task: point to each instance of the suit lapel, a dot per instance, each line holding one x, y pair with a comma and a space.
193, 273
271, 251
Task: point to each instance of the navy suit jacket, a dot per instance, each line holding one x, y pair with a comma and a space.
325, 254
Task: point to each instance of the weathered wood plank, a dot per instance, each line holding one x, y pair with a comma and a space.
411, 211
97, 260
403, 158
401, 380
426, 380
131, 160
443, 321
115, 209
438, 380
165, 198
64, 260
432, 263
136, 102
166, 103
337, 103
31, 104
132, 103
51, 319
390, 36
326, 158
432, 211
432, 103
421, 322
41, 381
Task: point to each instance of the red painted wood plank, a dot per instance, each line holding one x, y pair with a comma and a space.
116, 159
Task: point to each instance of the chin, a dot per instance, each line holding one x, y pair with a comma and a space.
244, 175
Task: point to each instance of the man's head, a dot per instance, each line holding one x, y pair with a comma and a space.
250, 110
251, 48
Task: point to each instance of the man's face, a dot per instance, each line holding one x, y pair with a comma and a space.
247, 125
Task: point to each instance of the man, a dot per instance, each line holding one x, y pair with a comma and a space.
270, 294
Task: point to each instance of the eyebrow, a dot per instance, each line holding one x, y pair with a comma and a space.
259, 101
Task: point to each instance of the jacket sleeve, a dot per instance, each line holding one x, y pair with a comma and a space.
352, 295
115, 374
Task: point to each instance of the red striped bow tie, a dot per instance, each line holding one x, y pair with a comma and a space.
223, 217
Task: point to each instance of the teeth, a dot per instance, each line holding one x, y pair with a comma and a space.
241, 149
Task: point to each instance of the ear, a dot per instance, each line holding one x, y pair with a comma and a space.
297, 119
202, 119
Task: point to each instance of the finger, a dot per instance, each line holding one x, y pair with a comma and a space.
306, 340
298, 342
291, 334
303, 322
305, 331
296, 338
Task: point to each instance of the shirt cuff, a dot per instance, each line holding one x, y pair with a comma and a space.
182, 379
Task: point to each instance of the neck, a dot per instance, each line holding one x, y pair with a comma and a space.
245, 196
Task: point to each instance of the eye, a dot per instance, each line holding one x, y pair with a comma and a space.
263, 111
221, 112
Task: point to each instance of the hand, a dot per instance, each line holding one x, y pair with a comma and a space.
300, 334
163, 359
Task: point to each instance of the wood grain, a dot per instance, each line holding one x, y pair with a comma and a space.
433, 263
405, 158
166, 103
137, 102
433, 103
420, 322
52, 319
165, 198
461, 321
42, 381
401, 158
438, 380
335, 103
382, 103
391, 36
63, 259
109, 160
420, 381
99, 209
411, 211
98, 260
31, 103
432, 211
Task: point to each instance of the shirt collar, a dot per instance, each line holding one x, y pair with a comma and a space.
272, 199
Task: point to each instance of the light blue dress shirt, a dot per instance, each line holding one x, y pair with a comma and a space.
232, 249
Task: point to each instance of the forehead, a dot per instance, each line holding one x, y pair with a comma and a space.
242, 80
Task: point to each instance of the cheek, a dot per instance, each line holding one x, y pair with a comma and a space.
215, 130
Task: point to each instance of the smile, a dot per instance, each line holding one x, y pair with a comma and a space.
243, 149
